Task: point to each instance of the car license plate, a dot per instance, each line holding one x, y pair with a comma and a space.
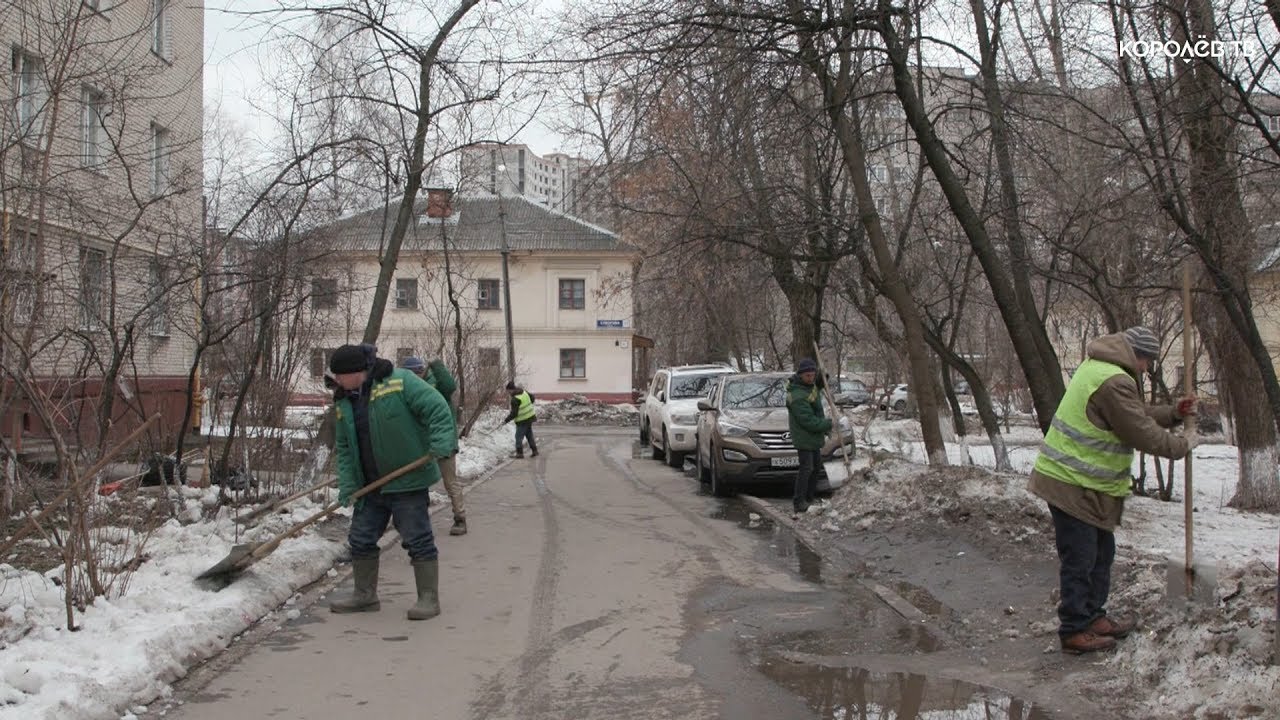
792, 461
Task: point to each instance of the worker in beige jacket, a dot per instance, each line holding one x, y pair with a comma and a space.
1083, 472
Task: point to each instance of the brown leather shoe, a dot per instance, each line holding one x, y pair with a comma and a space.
1087, 642
1112, 627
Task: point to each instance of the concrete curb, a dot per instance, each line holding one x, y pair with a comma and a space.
836, 557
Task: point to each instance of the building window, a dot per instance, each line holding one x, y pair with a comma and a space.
160, 28
31, 91
320, 361
573, 363
878, 173
92, 130
406, 293
159, 159
22, 259
488, 293
93, 280
157, 292
1273, 123
490, 359
573, 294
324, 293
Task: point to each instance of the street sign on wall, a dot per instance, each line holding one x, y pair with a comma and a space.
606, 324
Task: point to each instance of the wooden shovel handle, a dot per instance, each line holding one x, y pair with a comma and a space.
275, 504
267, 547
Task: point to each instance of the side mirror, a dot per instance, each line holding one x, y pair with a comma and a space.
662, 396
705, 406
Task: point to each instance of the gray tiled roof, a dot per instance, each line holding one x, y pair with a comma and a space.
476, 226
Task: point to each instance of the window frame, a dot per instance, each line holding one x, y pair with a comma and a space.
157, 298
160, 153
92, 289
493, 300
31, 93
573, 367
161, 35
407, 300
575, 300
323, 298
93, 128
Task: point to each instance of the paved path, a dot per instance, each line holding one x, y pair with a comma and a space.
590, 586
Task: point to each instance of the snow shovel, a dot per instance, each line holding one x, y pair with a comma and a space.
1186, 579
242, 556
251, 517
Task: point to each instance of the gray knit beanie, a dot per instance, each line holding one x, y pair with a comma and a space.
1143, 341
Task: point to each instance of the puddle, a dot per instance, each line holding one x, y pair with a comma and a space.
852, 693
782, 541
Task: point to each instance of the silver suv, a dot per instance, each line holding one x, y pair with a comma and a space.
670, 415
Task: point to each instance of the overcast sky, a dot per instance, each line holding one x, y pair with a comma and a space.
235, 48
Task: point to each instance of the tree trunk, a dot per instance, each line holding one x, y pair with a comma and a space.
1043, 377
1225, 238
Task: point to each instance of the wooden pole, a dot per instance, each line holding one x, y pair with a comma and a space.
1189, 423
826, 390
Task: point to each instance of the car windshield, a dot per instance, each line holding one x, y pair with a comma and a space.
851, 385
755, 393
693, 386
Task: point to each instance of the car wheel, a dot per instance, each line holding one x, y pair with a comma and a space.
644, 433
719, 487
656, 452
704, 475
900, 406
673, 459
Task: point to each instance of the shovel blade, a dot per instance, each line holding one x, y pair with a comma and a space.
234, 562
1197, 583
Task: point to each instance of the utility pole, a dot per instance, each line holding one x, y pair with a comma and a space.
506, 278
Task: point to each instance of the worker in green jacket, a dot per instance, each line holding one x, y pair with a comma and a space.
1083, 473
386, 418
809, 426
439, 377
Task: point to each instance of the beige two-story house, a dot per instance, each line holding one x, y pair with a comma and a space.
570, 294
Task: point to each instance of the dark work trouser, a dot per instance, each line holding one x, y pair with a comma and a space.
409, 512
525, 430
807, 478
1085, 555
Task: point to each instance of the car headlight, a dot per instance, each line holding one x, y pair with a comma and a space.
684, 419
728, 429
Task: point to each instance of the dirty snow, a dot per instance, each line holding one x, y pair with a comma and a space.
1203, 660
130, 649
578, 410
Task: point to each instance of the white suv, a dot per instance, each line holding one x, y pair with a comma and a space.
670, 415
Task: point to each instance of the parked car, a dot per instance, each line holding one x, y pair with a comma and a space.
743, 437
670, 414
851, 393
897, 398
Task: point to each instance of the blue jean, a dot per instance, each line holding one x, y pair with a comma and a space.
1085, 555
525, 430
408, 510
806, 478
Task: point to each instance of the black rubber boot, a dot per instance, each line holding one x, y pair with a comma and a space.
426, 575
364, 570
459, 526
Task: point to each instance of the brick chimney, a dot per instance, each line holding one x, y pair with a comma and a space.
439, 202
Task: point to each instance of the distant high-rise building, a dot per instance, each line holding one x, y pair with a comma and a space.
513, 169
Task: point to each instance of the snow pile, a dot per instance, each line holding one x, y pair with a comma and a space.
892, 488
128, 649
1208, 658
578, 410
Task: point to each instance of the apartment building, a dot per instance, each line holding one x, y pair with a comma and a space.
100, 211
512, 169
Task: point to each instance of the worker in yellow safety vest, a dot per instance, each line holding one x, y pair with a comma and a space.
523, 413
1083, 473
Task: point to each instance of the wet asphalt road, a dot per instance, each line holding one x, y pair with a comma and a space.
595, 583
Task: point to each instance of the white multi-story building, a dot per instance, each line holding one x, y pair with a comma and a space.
100, 208
508, 169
